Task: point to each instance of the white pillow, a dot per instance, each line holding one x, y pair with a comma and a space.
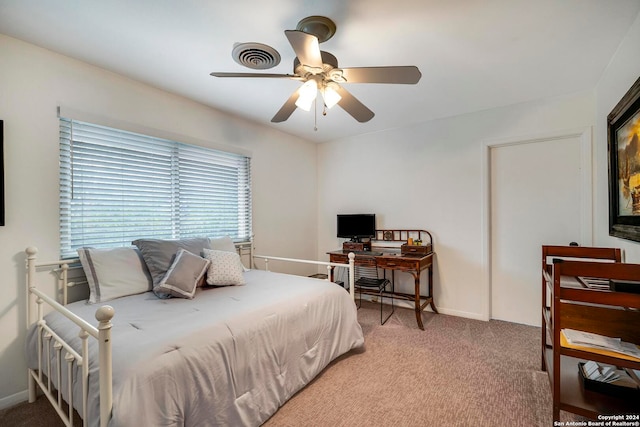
183, 276
114, 273
225, 268
224, 244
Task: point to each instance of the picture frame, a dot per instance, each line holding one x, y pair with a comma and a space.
623, 129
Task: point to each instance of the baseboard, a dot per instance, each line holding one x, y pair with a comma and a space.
441, 310
14, 399
466, 314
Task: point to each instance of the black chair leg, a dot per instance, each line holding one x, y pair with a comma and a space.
383, 319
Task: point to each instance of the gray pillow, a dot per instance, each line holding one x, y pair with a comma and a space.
222, 244
183, 276
158, 254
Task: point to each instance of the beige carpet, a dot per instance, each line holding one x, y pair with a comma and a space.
458, 372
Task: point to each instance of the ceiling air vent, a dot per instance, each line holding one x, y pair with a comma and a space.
257, 56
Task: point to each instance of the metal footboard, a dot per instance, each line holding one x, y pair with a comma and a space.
47, 340
329, 265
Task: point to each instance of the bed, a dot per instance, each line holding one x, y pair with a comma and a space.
228, 355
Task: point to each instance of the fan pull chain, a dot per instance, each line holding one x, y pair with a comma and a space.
315, 116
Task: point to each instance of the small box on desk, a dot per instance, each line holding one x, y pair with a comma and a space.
416, 249
356, 246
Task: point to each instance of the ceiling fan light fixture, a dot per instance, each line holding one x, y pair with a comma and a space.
337, 75
330, 96
318, 71
307, 94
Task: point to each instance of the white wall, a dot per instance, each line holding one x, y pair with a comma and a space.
429, 177
33, 82
622, 72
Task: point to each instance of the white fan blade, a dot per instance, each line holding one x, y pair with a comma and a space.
394, 75
287, 109
355, 108
306, 47
273, 76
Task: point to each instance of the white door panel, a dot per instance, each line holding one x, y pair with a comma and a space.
536, 199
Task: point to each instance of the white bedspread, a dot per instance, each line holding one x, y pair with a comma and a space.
229, 357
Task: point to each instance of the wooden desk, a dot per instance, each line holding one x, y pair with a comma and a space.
392, 260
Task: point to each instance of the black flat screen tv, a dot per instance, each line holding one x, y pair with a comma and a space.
356, 226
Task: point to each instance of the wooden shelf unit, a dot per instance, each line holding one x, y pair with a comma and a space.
568, 303
402, 235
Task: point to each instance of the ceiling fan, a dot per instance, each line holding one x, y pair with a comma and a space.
319, 72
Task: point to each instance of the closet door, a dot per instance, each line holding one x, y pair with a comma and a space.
537, 197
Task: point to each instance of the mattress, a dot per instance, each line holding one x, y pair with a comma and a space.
230, 356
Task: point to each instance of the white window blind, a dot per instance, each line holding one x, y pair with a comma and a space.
118, 186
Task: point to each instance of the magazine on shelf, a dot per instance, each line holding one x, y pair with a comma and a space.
600, 342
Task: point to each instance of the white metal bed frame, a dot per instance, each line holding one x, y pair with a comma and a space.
102, 333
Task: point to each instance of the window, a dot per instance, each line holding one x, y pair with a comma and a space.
118, 186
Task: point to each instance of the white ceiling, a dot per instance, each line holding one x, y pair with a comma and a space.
473, 54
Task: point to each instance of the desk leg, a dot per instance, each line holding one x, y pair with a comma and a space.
430, 277
416, 279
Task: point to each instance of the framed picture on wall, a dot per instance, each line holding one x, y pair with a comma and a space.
623, 125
